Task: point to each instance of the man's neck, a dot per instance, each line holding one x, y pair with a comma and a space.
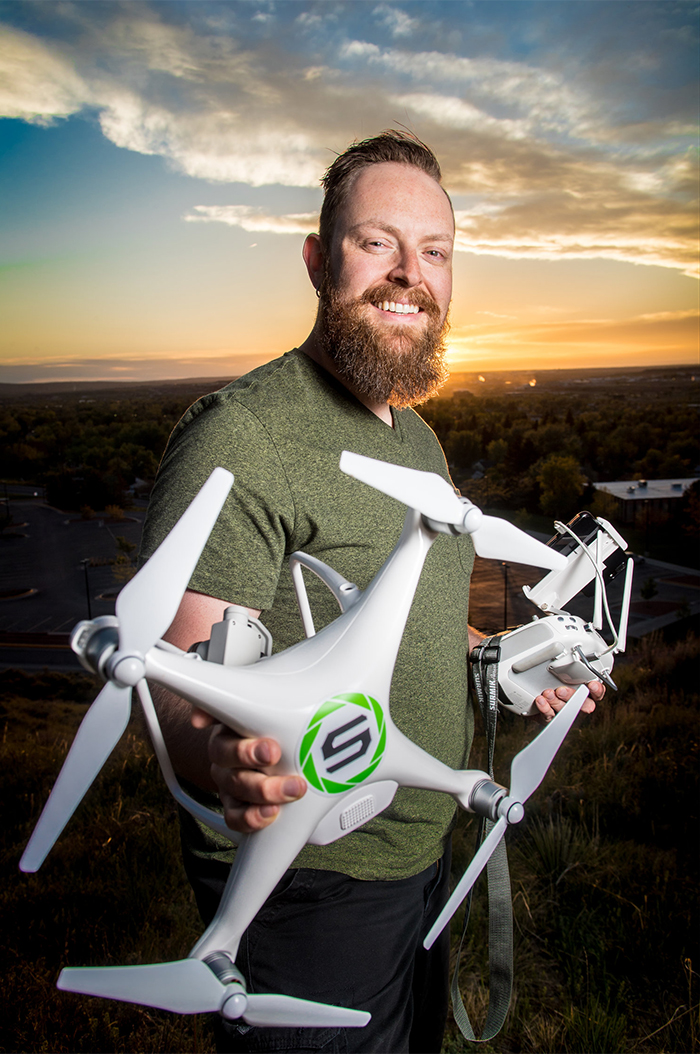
313, 349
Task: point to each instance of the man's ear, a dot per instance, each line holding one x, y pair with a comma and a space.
314, 258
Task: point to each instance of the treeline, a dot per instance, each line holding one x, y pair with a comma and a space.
540, 452
533, 451
85, 452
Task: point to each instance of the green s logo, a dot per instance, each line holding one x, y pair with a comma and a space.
343, 743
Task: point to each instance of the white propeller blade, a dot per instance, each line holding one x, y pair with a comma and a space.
531, 765
427, 492
527, 771
148, 603
100, 731
145, 608
431, 495
497, 539
188, 986
479, 862
284, 1011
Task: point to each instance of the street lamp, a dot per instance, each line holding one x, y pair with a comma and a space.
85, 563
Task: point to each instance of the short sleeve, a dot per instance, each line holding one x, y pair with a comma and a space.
242, 560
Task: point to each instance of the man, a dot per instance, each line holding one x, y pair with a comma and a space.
345, 924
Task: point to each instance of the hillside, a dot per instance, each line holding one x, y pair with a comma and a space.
604, 877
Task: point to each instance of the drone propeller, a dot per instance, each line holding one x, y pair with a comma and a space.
433, 496
148, 603
100, 731
189, 986
527, 771
145, 608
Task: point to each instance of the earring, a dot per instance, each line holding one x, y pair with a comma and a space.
318, 293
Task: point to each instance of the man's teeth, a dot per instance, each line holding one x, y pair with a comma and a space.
400, 309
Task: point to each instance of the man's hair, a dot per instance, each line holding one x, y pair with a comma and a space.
391, 145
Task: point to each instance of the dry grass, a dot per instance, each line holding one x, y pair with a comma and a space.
604, 874
112, 890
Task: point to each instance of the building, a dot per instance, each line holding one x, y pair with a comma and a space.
637, 500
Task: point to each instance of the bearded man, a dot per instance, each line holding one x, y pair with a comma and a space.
346, 922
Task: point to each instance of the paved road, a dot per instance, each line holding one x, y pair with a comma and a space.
42, 579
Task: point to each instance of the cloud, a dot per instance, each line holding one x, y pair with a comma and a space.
254, 219
551, 165
208, 146
36, 83
604, 218
672, 331
396, 21
223, 365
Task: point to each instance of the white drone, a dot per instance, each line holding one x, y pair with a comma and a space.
326, 701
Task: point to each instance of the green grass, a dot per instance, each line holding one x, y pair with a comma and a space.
604, 876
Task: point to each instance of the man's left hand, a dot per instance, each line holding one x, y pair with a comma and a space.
551, 701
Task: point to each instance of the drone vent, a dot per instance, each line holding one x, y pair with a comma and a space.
357, 813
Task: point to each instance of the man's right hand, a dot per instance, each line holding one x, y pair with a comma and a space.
241, 769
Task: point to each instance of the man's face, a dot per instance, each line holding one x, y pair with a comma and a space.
387, 284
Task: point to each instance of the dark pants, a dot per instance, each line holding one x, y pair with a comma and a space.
324, 936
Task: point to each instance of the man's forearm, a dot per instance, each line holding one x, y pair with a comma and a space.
187, 746
475, 637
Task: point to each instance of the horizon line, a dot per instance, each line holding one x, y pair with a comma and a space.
118, 381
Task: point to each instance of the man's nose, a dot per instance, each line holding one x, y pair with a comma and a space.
406, 270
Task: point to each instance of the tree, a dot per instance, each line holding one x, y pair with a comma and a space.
462, 449
604, 504
561, 483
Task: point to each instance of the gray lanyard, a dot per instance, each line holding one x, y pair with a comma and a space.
485, 658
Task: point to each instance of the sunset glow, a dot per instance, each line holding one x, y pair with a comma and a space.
161, 163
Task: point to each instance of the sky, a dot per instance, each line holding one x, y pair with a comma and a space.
160, 167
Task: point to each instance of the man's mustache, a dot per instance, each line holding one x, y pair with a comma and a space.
415, 297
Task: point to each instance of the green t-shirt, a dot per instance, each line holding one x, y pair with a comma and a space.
281, 430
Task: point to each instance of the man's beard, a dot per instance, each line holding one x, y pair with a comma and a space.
402, 368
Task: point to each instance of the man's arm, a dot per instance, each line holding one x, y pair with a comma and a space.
210, 755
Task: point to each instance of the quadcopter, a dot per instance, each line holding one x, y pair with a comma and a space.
326, 701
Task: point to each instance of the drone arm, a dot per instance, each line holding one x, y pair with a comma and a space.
260, 861
411, 766
213, 820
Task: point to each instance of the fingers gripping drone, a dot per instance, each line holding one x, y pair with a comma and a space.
326, 701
